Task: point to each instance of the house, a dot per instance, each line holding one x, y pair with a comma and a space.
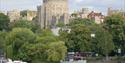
97, 17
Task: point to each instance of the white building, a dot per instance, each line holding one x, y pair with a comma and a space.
28, 14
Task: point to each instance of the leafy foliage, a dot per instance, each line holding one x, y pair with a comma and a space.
79, 39
115, 24
54, 49
82, 21
4, 22
102, 42
23, 44
60, 24
24, 24
16, 39
2, 41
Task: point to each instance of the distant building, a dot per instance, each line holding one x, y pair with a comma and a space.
81, 14
112, 11
14, 15
97, 17
86, 13
28, 14
52, 12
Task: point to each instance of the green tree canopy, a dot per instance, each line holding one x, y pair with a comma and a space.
55, 49
86, 22
60, 24
115, 25
102, 41
23, 44
24, 24
2, 41
79, 39
4, 22
16, 39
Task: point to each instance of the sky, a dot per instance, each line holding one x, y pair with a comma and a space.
74, 5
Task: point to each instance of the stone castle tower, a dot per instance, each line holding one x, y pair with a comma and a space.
52, 12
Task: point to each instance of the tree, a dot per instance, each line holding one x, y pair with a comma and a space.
79, 39
54, 50
86, 22
2, 42
74, 15
23, 44
102, 42
24, 24
44, 53
115, 25
63, 34
60, 24
4, 22
16, 39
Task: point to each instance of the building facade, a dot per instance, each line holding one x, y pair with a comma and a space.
28, 14
81, 14
112, 11
97, 17
87, 13
52, 12
14, 15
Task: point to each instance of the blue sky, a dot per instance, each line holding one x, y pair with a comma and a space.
98, 5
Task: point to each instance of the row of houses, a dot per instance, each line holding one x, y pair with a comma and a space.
86, 13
